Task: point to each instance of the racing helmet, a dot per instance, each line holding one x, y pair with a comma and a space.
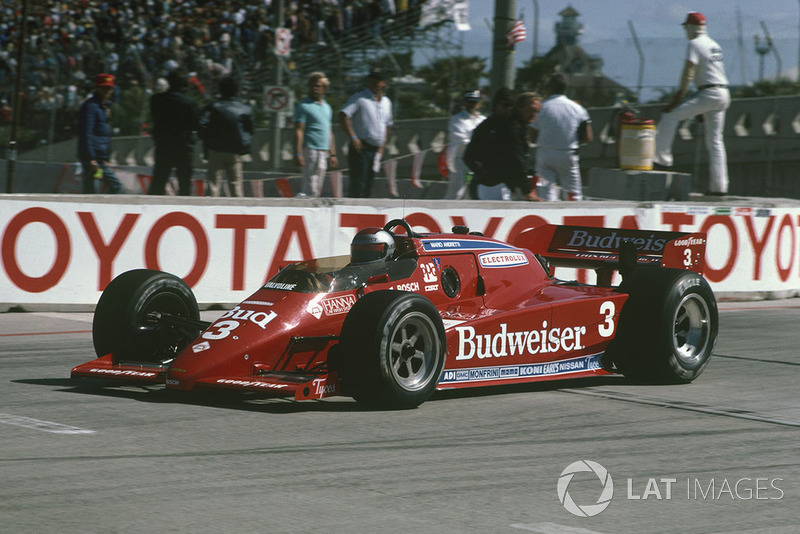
370, 245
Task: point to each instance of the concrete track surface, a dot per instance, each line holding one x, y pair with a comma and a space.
718, 455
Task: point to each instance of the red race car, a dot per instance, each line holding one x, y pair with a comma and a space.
406, 313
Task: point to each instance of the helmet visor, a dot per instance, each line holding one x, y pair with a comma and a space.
365, 253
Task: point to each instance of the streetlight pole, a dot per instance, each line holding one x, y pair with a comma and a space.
502, 74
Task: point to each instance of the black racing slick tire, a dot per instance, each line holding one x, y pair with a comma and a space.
121, 326
667, 327
392, 350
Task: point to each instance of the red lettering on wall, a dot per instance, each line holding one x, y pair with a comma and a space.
784, 272
170, 220
758, 244
106, 253
295, 226
63, 250
421, 219
676, 220
718, 275
359, 221
240, 223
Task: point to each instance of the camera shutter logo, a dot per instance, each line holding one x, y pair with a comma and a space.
588, 510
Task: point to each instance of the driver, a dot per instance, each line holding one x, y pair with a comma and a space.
372, 245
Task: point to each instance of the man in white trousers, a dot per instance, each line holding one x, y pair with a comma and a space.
704, 65
460, 129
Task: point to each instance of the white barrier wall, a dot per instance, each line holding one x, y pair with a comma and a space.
60, 252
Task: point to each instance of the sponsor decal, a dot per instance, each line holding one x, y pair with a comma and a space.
601, 239
323, 388
200, 347
280, 285
689, 241
461, 244
505, 343
502, 259
331, 306
258, 303
408, 286
432, 287
122, 372
429, 272
507, 372
249, 383
450, 323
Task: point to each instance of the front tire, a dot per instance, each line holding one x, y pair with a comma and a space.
668, 326
392, 350
121, 326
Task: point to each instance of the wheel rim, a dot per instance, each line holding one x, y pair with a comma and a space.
691, 330
164, 302
414, 352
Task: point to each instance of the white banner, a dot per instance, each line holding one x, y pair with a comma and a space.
65, 252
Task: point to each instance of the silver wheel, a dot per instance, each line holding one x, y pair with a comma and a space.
692, 329
414, 351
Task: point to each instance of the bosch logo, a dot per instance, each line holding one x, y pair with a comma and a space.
587, 510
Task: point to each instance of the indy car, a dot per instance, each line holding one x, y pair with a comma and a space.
407, 313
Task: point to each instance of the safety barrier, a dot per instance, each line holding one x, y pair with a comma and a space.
59, 251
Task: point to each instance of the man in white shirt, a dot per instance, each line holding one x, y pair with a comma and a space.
461, 126
558, 130
366, 117
704, 65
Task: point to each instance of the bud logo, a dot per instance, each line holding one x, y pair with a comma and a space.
332, 306
502, 259
505, 343
588, 510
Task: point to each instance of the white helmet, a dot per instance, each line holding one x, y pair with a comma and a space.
371, 244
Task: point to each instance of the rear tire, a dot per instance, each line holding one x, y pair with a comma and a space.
120, 326
667, 327
392, 350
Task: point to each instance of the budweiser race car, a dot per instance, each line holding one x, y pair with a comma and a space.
405, 314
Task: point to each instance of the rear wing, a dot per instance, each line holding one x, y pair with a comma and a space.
586, 247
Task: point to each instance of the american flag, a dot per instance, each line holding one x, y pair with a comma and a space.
517, 33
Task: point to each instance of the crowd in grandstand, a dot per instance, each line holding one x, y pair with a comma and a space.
140, 41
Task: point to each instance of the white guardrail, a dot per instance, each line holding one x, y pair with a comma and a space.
59, 252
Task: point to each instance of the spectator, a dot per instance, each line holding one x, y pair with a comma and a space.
226, 128
461, 126
175, 119
704, 65
498, 151
367, 119
94, 137
558, 130
313, 136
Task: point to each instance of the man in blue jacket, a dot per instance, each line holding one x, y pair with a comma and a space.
94, 137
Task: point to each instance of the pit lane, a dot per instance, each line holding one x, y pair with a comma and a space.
79, 458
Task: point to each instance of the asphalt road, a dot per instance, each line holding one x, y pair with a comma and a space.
718, 455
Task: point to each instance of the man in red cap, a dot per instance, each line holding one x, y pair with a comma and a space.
703, 65
94, 137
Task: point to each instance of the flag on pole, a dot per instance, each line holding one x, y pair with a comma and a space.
516, 34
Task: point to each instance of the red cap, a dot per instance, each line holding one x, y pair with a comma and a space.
104, 80
695, 19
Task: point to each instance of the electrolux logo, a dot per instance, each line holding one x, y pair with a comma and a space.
587, 510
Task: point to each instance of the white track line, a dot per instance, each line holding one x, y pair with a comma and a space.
44, 426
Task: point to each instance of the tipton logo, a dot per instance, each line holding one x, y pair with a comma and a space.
587, 510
